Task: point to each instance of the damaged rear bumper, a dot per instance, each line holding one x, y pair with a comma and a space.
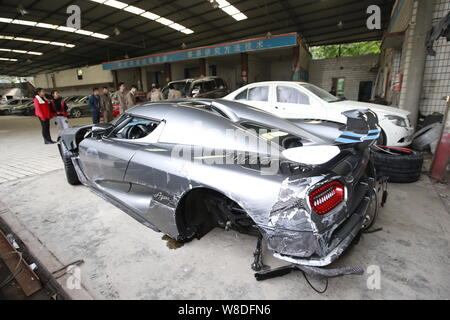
342, 238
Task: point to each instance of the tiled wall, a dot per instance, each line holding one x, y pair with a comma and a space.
436, 83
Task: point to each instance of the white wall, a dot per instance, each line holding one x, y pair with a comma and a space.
353, 69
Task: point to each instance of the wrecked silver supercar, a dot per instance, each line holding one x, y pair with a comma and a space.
175, 167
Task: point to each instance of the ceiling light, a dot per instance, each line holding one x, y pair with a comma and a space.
164, 21
19, 51
99, 1
24, 22
69, 45
149, 15
116, 4
222, 3
52, 26
134, 10
84, 32
176, 26
240, 16
23, 39
231, 10
67, 29
34, 53
46, 25
7, 50
187, 31
8, 59
99, 35
40, 41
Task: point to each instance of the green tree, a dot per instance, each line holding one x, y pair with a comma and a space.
345, 50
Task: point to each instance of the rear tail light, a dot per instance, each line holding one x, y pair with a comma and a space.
327, 197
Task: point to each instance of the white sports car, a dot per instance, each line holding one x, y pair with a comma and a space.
302, 100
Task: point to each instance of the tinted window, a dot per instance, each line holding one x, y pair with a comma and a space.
220, 84
242, 95
258, 94
209, 86
291, 95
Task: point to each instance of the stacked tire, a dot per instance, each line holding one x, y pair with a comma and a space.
401, 165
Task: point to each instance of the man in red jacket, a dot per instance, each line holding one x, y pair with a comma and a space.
43, 112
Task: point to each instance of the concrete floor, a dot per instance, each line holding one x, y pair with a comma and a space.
125, 260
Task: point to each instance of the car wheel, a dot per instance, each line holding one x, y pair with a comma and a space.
71, 174
76, 113
401, 165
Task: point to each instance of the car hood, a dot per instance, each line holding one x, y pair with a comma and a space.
378, 108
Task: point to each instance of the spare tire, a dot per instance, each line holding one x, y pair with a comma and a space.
401, 165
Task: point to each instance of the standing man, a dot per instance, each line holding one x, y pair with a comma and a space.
43, 112
120, 98
94, 103
155, 94
173, 93
59, 108
131, 97
106, 105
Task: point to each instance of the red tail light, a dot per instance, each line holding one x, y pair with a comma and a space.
327, 197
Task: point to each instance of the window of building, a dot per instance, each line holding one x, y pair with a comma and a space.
80, 74
339, 86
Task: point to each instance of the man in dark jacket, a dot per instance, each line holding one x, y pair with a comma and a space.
106, 105
94, 103
59, 108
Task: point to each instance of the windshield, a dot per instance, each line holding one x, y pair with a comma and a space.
322, 94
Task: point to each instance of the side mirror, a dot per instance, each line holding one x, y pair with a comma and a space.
100, 128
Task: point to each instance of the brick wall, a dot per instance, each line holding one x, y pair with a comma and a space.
353, 69
436, 82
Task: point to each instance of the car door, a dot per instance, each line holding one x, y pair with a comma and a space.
104, 159
293, 103
256, 96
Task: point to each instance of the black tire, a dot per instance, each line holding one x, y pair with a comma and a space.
71, 174
401, 165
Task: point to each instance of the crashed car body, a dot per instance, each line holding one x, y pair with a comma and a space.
162, 163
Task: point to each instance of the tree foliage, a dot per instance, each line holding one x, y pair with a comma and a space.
345, 50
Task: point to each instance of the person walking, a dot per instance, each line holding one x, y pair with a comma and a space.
106, 105
131, 97
94, 103
59, 108
43, 111
155, 94
120, 97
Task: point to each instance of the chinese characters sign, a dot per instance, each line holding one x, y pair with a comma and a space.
281, 41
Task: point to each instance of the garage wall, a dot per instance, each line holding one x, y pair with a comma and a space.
68, 83
353, 69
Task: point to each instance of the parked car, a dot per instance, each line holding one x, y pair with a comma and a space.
301, 100
309, 209
79, 108
207, 87
26, 108
72, 99
7, 107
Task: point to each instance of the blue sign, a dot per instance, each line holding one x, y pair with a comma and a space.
274, 42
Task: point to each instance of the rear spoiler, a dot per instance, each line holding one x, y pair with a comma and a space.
362, 126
